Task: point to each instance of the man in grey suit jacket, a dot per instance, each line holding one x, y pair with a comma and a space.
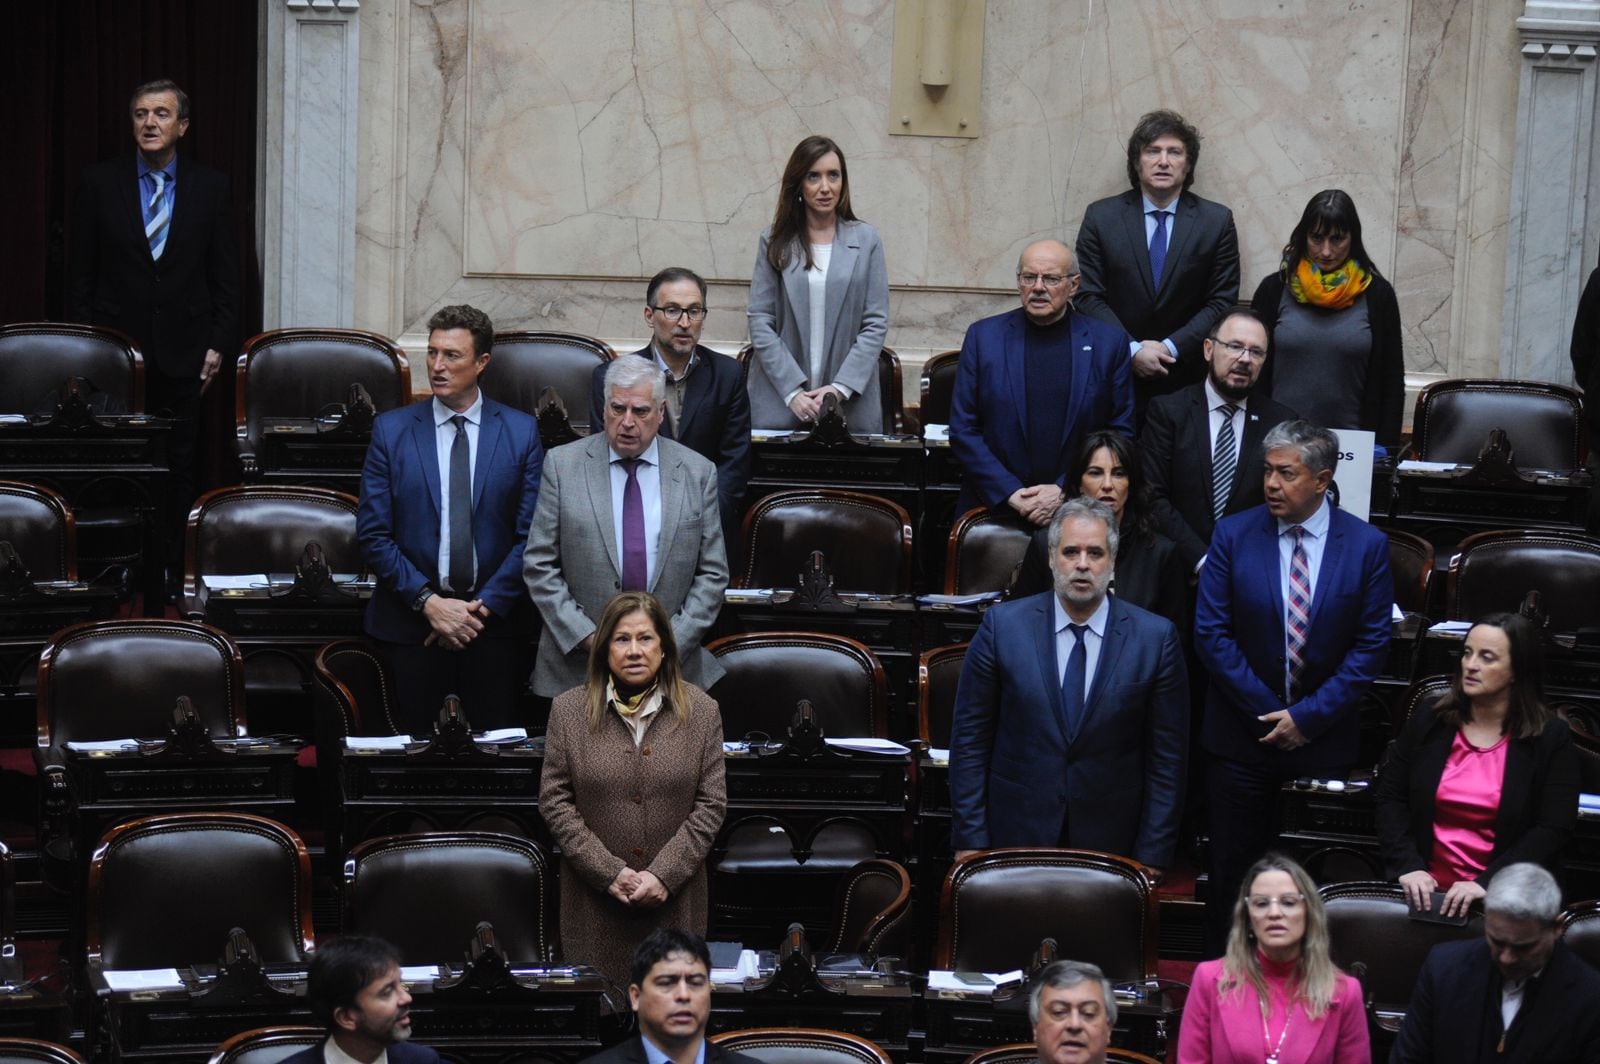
626, 510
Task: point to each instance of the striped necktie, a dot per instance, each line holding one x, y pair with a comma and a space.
1299, 611
1223, 462
157, 216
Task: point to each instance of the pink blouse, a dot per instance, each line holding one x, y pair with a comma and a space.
1226, 1028
1464, 811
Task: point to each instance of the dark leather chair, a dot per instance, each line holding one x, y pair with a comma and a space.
267, 1045
1544, 422
1584, 720
984, 551
261, 528
37, 357
938, 388
891, 393
866, 540
938, 673
1027, 1053
39, 525
872, 911
1369, 925
801, 1045
1580, 930
10, 964
997, 905
33, 1051
523, 364
459, 879
297, 373
769, 672
1495, 571
1411, 562
165, 891
354, 691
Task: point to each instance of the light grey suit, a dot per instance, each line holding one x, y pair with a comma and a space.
573, 567
857, 321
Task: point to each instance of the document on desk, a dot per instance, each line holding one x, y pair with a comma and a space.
502, 736
1413, 466
936, 433
144, 979
1452, 627
950, 981
747, 968
114, 746
866, 745
961, 600
376, 742
420, 973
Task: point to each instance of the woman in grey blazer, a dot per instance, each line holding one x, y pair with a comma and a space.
819, 300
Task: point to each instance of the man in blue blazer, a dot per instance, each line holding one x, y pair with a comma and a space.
1292, 625
1071, 721
1030, 384
447, 495
355, 991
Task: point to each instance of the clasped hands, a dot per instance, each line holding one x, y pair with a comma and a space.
639, 889
455, 622
807, 406
1285, 733
1419, 887
1036, 503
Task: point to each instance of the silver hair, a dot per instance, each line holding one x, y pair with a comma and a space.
1524, 891
1318, 447
1083, 506
630, 371
1063, 974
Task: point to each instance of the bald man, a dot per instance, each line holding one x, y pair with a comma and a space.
1031, 383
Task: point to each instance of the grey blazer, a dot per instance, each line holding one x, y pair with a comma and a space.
573, 567
857, 322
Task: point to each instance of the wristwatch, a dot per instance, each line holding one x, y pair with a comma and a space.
422, 599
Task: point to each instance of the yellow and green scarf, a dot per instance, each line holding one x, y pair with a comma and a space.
1330, 291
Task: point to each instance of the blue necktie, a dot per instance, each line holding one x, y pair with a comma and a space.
157, 216
1072, 681
1158, 248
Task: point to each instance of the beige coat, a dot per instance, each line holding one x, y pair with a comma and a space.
609, 805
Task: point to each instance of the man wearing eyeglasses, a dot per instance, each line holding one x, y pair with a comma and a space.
1073, 1009
1030, 384
708, 409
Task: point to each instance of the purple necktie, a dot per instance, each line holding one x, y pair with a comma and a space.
635, 563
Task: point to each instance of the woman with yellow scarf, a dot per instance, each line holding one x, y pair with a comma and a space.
1336, 350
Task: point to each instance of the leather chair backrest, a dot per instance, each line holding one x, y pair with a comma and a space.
352, 676
523, 364
984, 551
37, 357
267, 1045
768, 672
265, 529
865, 540
121, 680
1584, 720
302, 372
938, 673
1495, 571
801, 1045
1580, 930
872, 910
1027, 1053
998, 904
164, 891
762, 844
33, 1051
38, 524
1369, 924
1544, 422
938, 386
1411, 562
890, 393
458, 879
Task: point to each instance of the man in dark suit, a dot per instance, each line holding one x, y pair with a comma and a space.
1202, 445
670, 991
1030, 384
447, 495
1071, 719
1517, 995
1292, 625
708, 409
152, 254
354, 990
1159, 260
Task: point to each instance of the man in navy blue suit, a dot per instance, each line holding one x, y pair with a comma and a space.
1030, 384
354, 990
1292, 625
1072, 715
447, 496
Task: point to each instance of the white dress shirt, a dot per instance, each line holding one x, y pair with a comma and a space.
1092, 638
649, 474
332, 1054
1315, 540
1149, 235
444, 436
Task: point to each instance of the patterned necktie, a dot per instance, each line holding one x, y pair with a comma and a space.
1223, 462
461, 550
1072, 682
1299, 611
157, 216
635, 562
1158, 247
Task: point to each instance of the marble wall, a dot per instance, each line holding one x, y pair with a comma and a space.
540, 158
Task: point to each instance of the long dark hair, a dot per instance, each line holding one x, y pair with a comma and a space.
674, 692
1527, 714
1330, 211
1136, 521
789, 220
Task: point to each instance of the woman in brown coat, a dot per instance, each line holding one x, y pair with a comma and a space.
632, 791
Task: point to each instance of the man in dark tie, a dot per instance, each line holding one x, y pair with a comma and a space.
447, 495
1202, 445
1159, 260
708, 409
151, 252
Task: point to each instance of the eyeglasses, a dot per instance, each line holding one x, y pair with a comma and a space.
674, 313
1050, 280
1287, 902
1235, 348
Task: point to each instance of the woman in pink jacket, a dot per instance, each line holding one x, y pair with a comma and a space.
1275, 996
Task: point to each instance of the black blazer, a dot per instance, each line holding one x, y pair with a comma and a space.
1176, 444
1585, 352
1150, 574
174, 309
1199, 282
399, 1053
716, 422
632, 1052
1538, 799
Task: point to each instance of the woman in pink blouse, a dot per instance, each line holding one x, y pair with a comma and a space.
1275, 995
1483, 778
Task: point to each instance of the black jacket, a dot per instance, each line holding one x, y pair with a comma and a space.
632, 1052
